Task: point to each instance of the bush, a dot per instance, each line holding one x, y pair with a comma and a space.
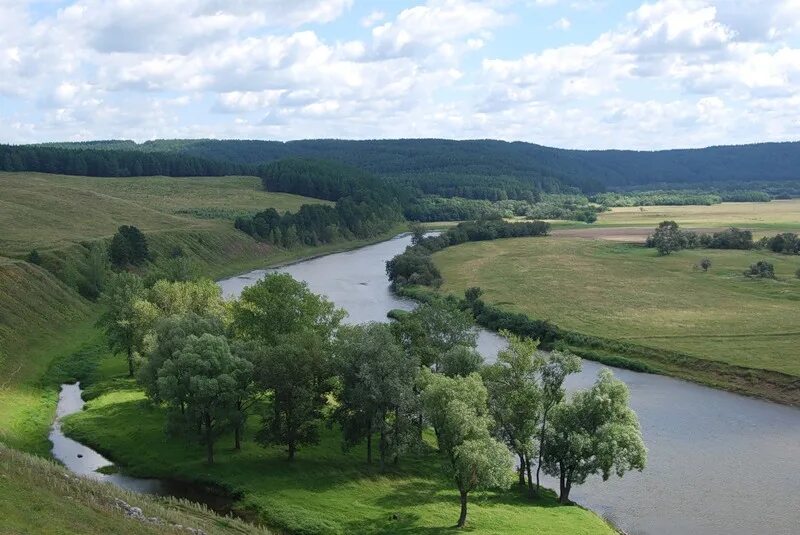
761, 270
797, 273
705, 264
34, 257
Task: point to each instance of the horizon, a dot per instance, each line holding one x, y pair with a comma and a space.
580, 75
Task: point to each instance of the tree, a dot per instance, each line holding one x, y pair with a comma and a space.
705, 264
34, 257
202, 297
515, 399
167, 339
797, 273
297, 370
667, 238
278, 305
461, 360
122, 320
557, 366
417, 232
761, 269
457, 409
377, 388
95, 271
595, 432
128, 247
435, 328
201, 380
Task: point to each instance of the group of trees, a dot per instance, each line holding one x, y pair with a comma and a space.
281, 352
93, 162
548, 206
668, 238
680, 197
414, 265
784, 243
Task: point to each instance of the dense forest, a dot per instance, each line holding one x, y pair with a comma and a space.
111, 163
422, 160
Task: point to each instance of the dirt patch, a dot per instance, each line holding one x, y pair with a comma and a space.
620, 234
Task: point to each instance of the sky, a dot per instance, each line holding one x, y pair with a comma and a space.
565, 73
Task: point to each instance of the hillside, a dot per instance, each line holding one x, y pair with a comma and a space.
590, 170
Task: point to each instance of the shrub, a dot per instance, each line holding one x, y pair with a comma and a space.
34, 257
797, 273
705, 264
761, 270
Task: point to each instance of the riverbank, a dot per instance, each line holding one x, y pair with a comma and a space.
39, 496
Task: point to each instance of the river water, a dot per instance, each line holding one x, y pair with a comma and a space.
718, 463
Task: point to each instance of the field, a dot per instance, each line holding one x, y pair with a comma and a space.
754, 215
54, 211
627, 292
324, 491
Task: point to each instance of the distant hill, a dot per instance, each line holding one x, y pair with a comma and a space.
588, 170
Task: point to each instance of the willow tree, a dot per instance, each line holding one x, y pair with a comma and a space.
594, 432
456, 407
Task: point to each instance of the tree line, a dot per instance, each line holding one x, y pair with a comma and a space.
415, 266
668, 237
279, 355
109, 163
679, 198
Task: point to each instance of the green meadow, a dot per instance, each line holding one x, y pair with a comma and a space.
627, 292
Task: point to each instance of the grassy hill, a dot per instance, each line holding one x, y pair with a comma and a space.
38, 496
53, 211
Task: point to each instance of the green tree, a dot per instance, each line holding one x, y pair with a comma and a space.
515, 399
760, 270
168, 337
278, 305
667, 238
417, 232
122, 320
297, 371
34, 257
95, 271
461, 360
377, 388
705, 264
435, 328
202, 297
595, 432
458, 411
201, 381
128, 247
557, 366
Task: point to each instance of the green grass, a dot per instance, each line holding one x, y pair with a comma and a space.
325, 490
54, 211
38, 496
627, 292
758, 215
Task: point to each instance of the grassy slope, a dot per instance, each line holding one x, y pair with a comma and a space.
37, 496
54, 211
325, 490
627, 292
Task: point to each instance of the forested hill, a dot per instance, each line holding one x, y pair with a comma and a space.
549, 167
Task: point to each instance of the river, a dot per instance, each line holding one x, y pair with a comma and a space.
718, 463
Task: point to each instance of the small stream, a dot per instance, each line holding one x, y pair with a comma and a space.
84, 461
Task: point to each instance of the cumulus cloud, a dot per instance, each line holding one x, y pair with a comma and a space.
670, 72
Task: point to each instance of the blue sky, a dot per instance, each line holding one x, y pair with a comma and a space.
568, 73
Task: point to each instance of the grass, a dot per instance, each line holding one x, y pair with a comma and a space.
325, 490
45, 211
627, 292
757, 215
38, 496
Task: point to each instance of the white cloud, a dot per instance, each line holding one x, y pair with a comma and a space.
562, 24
